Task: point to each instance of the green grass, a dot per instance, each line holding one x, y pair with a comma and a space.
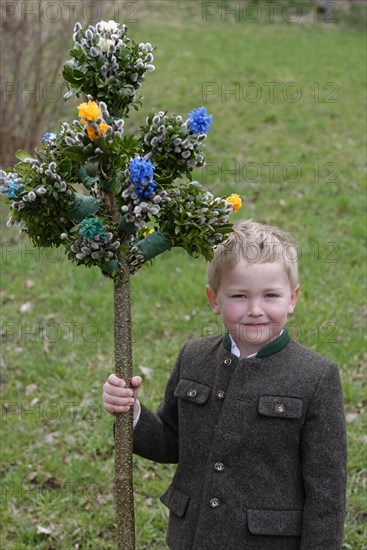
57, 446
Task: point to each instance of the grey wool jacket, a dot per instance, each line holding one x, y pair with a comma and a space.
260, 445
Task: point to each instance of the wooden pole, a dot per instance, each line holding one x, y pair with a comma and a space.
124, 491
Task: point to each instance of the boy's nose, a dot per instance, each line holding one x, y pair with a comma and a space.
254, 309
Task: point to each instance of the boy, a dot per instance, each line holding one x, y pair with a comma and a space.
254, 420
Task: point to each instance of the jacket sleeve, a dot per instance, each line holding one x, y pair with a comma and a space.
324, 458
156, 434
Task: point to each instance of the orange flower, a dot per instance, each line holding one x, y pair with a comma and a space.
89, 111
235, 201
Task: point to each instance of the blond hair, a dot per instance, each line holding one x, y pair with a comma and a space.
254, 243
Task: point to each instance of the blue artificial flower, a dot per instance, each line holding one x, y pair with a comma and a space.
48, 136
141, 170
13, 186
9, 184
92, 227
199, 121
141, 175
145, 192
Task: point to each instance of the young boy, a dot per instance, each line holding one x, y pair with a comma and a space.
254, 420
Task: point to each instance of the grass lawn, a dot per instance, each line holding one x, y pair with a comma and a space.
288, 135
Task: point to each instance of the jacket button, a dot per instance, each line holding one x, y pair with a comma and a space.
220, 394
191, 393
214, 503
280, 408
227, 361
219, 466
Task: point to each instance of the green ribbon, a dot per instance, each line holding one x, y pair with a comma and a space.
153, 245
110, 267
127, 227
84, 206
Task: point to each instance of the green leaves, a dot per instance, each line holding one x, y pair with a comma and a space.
173, 149
75, 153
195, 220
73, 74
108, 69
91, 168
96, 154
24, 169
79, 154
45, 224
22, 155
125, 92
65, 167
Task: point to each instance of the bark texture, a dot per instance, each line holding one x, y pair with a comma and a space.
124, 492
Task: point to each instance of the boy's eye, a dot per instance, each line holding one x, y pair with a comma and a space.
239, 296
271, 295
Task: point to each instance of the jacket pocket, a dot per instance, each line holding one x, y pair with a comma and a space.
175, 500
275, 522
189, 390
279, 406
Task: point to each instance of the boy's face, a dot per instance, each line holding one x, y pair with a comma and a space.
254, 300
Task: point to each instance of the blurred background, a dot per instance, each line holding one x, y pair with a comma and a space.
286, 82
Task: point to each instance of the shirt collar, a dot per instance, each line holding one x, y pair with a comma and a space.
235, 351
268, 349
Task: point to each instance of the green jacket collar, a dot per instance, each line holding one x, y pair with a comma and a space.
269, 349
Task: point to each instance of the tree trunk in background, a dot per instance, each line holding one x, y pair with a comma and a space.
327, 9
34, 46
124, 492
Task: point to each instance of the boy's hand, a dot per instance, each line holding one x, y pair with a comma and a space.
118, 398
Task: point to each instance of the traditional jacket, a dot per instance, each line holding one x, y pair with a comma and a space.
260, 445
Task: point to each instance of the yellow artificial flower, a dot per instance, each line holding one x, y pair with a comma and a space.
148, 232
91, 133
102, 128
89, 111
235, 200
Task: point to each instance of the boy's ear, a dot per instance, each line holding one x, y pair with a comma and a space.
294, 298
212, 300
